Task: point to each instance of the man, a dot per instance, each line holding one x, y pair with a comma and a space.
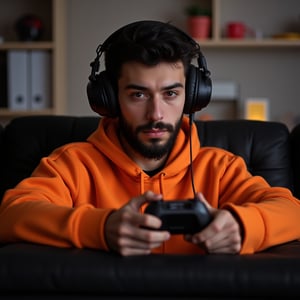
93, 194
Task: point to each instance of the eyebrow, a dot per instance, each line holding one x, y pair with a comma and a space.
143, 88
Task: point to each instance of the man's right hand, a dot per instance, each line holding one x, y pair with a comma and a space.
125, 228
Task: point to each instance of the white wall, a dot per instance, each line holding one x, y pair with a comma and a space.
89, 24
272, 73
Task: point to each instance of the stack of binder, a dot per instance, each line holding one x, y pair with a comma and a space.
29, 79
3, 79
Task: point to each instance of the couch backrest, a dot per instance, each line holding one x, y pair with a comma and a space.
264, 145
27, 139
295, 146
1, 134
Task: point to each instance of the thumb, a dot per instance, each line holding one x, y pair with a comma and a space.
208, 206
148, 196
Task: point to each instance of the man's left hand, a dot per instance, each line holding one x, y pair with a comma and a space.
222, 235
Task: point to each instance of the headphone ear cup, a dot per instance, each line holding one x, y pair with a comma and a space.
102, 96
197, 90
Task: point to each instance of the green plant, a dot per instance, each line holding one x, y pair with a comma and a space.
196, 10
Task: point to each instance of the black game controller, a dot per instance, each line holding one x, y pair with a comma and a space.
180, 216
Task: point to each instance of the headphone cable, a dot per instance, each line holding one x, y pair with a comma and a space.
191, 116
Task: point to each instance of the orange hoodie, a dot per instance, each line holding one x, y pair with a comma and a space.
70, 194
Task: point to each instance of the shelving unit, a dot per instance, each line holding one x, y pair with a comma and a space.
53, 15
271, 18
217, 39
226, 58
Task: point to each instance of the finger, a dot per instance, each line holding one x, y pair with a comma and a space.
130, 236
218, 226
222, 246
137, 244
153, 236
226, 246
223, 240
142, 241
201, 197
145, 239
133, 232
224, 250
148, 196
134, 251
150, 222
137, 219
228, 236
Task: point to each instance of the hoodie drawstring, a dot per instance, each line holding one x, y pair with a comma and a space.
161, 186
142, 183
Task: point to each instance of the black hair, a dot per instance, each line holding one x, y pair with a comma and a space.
148, 42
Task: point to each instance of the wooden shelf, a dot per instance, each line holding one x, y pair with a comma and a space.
207, 43
7, 113
27, 45
249, 43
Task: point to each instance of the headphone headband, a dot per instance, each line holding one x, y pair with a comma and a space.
103, 97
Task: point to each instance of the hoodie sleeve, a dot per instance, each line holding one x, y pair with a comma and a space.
47, 209
269, 215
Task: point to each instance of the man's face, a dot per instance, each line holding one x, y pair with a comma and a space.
151, 103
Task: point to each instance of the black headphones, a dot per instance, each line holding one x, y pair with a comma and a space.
103, 97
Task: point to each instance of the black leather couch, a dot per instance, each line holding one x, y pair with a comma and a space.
29, 271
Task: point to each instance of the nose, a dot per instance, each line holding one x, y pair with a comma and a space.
154, 109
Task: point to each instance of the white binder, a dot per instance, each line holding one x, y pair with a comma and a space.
18, 79
40, 83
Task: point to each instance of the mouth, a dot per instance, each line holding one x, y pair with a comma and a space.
155, 133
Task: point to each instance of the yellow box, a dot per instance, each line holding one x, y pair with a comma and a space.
257, 109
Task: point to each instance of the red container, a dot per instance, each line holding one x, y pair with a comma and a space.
236, 30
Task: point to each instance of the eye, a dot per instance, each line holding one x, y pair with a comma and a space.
171, 94
138, 95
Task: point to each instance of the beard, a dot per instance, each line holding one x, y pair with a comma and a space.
154, 150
